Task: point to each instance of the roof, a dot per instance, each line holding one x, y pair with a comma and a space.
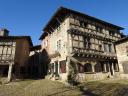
18, 37
37, 47
4, 29
121, 41
62, 11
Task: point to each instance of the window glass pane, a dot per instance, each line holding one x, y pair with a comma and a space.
75, 43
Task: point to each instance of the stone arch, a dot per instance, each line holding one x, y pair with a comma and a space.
98, 67
87, 67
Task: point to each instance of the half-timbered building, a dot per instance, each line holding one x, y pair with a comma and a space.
80, 46
14, 53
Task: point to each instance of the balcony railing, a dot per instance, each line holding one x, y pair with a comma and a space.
93, 52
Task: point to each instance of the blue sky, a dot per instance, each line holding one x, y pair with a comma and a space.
28, 17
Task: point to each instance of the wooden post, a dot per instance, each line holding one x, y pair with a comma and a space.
10, 72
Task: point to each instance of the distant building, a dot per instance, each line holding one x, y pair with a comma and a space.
80, 46
122, 56
4, 32
14, 53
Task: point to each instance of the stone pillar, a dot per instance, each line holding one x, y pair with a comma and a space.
93, 69
10, 72
109, 68
68, 68
58, 67
105, 67
54, 67
102, 46
117, 67
112, 67
113, 48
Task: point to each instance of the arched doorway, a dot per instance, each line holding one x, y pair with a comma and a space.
87, 67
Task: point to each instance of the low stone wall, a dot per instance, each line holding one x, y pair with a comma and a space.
124, 76
63, 76
92, 76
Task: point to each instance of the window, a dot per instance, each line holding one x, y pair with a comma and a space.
78, 41
100, 47
111, 33
105, 47
58, 44
87, 43
87, 67
83, 24
110, 47
75, 43
63, 66
98, 67
99, 29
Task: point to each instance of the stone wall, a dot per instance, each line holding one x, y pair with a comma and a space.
122, 55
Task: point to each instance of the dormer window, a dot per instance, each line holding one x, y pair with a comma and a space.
111, 33
83, 24
99, 29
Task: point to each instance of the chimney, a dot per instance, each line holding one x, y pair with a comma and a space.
4, 32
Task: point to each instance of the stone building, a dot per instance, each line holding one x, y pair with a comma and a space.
80, 46
122, 56
14, 53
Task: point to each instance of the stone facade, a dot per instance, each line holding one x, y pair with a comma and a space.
80, 46
122, 55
